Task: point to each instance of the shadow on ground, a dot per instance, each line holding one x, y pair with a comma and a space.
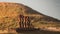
36, 32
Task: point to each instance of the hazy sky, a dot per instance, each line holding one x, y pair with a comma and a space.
47, 7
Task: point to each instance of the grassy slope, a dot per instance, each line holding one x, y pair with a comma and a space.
40, 20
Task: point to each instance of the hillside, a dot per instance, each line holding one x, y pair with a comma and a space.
10, 18
42, 21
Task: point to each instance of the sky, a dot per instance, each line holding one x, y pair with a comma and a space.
47, 7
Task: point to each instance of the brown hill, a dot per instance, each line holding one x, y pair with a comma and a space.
10, 17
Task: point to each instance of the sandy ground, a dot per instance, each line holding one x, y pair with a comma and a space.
51, 28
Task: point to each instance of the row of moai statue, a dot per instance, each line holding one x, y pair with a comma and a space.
25, 22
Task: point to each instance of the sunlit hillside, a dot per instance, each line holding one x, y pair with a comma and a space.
10, 18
